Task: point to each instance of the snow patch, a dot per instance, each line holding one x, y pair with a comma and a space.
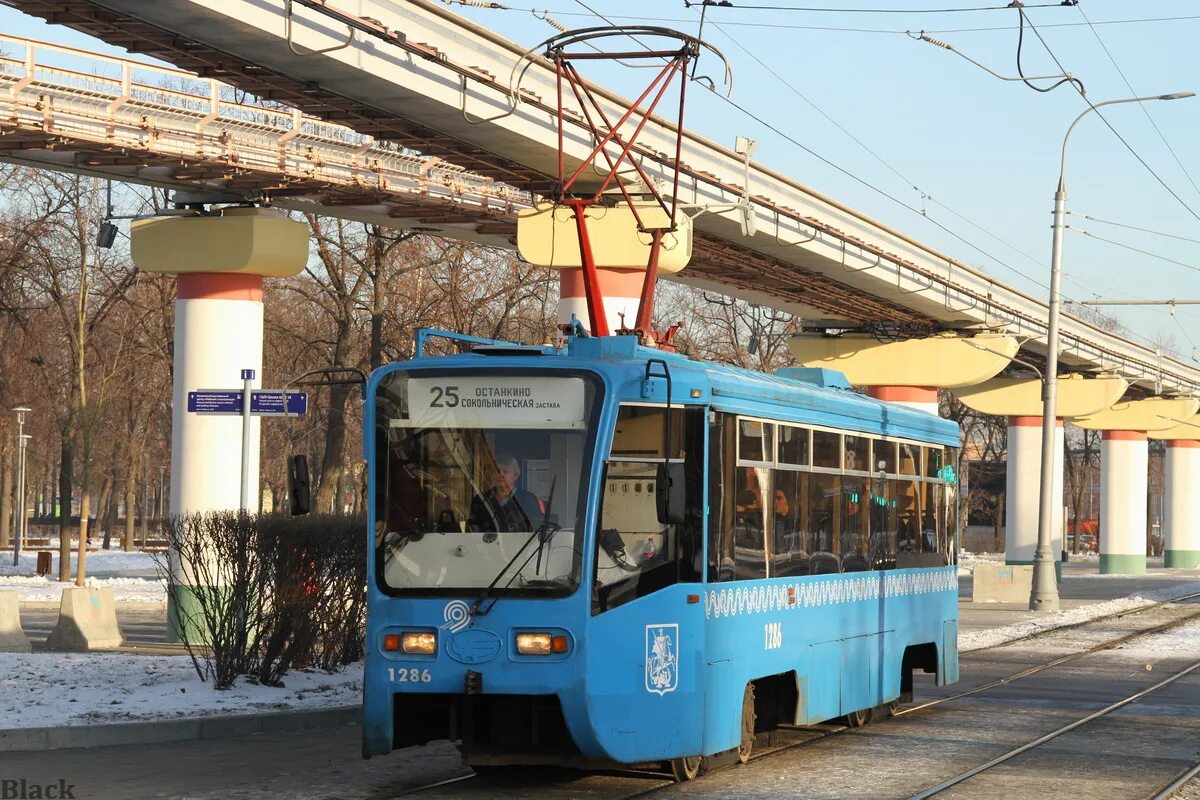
52, 689
979, 639
102, 562
125, 590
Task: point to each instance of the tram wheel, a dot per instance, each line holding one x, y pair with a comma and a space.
857, 719
746, 745
687, 768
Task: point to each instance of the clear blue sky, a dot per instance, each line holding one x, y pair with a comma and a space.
985, 148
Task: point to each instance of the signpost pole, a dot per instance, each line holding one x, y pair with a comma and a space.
247, 379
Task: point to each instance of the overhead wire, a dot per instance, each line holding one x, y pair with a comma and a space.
1130, 247
879, 190
779, 132
1134, 227
830, 28
1109, 125
1132, 91
726, 4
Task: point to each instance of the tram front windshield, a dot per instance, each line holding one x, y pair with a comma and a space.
481, 478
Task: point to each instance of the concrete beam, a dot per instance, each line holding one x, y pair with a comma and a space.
1185, 430
247, 241
1022, 397
947, 360
1151, 414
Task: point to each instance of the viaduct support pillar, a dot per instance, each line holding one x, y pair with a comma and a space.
1181, 537
621, 288
1124, 462
1023, 478
220, 259
921, 398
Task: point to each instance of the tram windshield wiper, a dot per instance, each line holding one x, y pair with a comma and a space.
541, 534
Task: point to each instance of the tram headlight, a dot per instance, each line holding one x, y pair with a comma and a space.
422, 643
540, 644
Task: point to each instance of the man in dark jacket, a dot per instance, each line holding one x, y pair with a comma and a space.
506, 507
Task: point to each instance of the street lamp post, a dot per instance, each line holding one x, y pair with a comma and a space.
22, 440
1044, 596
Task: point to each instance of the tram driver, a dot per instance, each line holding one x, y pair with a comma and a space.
506, 506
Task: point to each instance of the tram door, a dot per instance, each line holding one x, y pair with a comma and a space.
646, 639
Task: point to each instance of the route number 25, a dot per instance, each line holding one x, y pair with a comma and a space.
443, 396
402, 675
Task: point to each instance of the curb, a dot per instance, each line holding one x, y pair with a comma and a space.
174, 730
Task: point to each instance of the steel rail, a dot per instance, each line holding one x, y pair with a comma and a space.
1168, 791
1011, 754
1115, 615
816, 734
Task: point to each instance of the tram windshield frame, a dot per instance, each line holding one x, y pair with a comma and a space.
450, 514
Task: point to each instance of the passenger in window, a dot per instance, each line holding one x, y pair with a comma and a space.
506, 506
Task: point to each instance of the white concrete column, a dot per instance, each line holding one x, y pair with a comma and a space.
1181, 535
218, 333
919, 398
1124, 465
622, 290
1023, 487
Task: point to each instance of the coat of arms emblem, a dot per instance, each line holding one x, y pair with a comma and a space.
662, 658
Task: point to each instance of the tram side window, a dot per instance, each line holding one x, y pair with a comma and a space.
635, 554
883, 522
751, 522
789, 543
854, 544
824, 509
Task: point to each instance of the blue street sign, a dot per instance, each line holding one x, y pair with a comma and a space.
215, 402
267, 402
247, 374
263, 402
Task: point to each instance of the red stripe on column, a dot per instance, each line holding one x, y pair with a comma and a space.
1030, 422
904, 394
219, 286
1126, 436
1184, 443
613, 282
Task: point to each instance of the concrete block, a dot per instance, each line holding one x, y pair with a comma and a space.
87, 620
1002, 583
12, 636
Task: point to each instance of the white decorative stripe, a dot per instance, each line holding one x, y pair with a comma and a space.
830, 591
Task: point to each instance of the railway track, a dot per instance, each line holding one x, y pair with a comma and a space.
627, 785
1044, 739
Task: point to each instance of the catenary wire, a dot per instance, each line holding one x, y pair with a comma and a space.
1134, 227
740, 7
1132, 91
779, 132
1109, 125
1115, 243
882, 192
828, 28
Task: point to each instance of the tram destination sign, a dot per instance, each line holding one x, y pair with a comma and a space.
494, 401
263, 402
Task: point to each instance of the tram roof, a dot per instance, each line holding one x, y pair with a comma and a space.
803, 396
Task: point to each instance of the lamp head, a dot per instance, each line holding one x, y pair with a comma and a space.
1176, 95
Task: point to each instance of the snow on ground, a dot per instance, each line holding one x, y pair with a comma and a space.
53, 689
967, 561
109, 563
1181, 642
131, 576
125, 590
990, 637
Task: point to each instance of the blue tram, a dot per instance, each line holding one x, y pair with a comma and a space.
612, 554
